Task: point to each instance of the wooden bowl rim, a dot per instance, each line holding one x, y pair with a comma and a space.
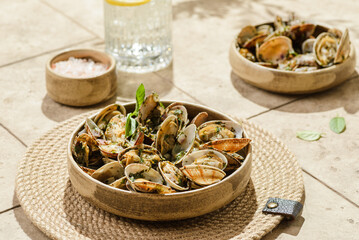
151, 195
110, 68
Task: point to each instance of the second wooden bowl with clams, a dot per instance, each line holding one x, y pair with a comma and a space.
161, 207
290, 82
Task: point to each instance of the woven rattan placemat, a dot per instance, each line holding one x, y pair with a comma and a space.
47, 197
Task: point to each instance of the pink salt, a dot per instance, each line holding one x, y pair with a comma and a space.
79, 67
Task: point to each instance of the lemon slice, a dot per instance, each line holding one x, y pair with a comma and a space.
127, 3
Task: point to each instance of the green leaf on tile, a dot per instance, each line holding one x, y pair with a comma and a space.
309, 135
337, 124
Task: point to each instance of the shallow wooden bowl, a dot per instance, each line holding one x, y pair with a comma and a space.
155, 207
288, 82
81, 91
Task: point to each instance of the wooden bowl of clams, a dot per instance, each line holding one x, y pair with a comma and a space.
160, 161
292, 57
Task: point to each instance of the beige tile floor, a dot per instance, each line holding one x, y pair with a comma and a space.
32, 31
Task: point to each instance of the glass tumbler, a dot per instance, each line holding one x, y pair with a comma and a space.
138, 34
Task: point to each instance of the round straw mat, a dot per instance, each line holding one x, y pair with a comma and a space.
47, 197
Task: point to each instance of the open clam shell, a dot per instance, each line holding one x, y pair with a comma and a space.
166, 135
275, 50
229, 145
150, 111
199, 118
92, 129
218, 129
105, 115
178, 110
343, 48
308, 46
120, 183
203, 175
325, 49
110, 150
246, 33
207, 157
145, 179
109, 172
173, 176
142, 153
184, 143
116, 129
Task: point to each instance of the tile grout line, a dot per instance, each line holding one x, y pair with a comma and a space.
12, 134
9, 209
279, 106
46, 52
70, 18
329, 187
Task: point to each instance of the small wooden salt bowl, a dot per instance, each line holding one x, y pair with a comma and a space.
289, 82
75, 91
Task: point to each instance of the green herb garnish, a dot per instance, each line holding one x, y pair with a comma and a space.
309, 135
131, 123
337, 124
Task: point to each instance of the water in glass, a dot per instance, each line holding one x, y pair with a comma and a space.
139, 37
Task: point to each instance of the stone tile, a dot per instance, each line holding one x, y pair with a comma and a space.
334, 158
15, 225
30, 28
25, 97
11, 153
88, 14
325, 216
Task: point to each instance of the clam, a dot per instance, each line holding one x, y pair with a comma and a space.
116, 130
246, 33
142, 154
247, 54
258, 39
89, 171
92, 129
301, 31
199, 119
275, 50
120, 183
264, 29
325, 49
109, 172
85, 150
173, 176
145, 179
105, 115
206, 157
110, 150
184, 143
150, 111
307, 46
203, 175
219, 129
166, 135
178, 110
343, 48
229, 145
336, 32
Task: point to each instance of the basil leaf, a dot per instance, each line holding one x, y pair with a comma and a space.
128, 126
337, 124
133, 126
140, 96
161, 104
309, 135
